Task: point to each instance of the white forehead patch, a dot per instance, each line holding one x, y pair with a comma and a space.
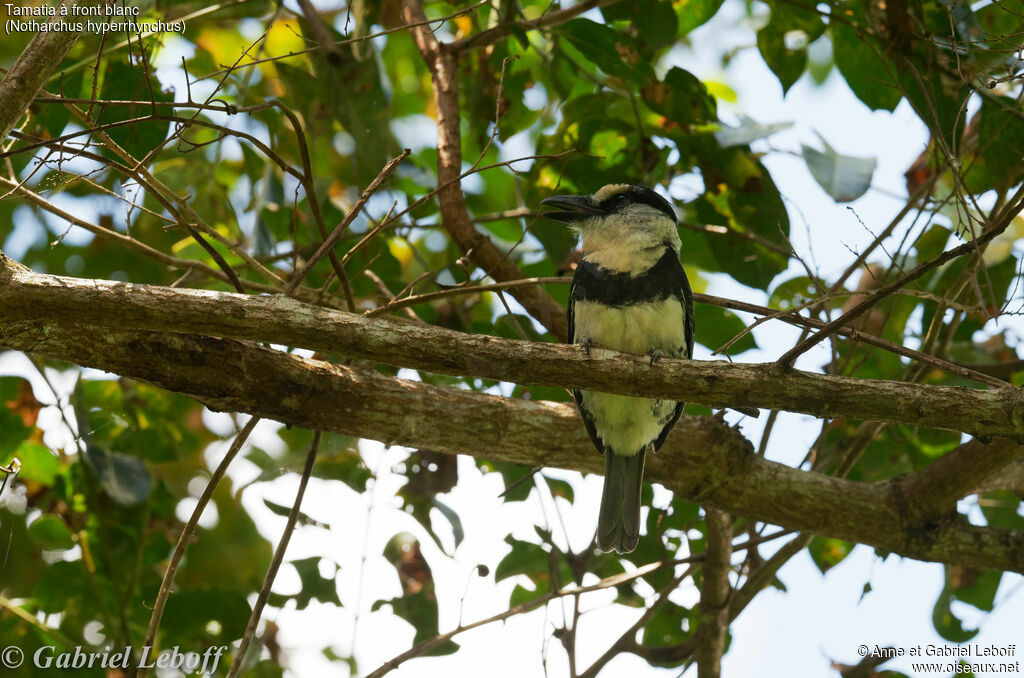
608, 191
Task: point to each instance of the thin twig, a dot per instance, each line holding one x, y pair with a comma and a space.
462, 289
332, 240
999, 224
186, 534
275, 564
427, 645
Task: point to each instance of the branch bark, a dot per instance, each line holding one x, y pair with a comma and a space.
442, 61
704, 460
714, 595
28, 297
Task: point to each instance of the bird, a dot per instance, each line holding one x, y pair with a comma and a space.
629, 293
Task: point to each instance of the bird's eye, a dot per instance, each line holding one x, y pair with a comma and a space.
616, 201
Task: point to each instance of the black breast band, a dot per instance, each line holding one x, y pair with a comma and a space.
663, 280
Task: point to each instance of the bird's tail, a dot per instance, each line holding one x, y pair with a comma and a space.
618, 523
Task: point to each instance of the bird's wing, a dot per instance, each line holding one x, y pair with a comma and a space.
687, 301
681, 291
588, 420
570, 312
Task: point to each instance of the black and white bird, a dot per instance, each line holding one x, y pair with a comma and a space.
629, 294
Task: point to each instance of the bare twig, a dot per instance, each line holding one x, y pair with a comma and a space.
275, 563
405, 302
627, 640
429, 644
998, 224
322, 36
549, 20
186, 534
339, 230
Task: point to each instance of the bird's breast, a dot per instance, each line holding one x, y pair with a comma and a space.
633, 328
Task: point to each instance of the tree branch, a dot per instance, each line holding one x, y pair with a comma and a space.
32, 69
714, 595
997, 225
275, 563
704, 460
28, 297
503, 30
442, 62
933, 493
185, 537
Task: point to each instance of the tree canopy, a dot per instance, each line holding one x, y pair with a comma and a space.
197, 205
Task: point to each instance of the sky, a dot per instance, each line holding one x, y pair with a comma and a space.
819, 619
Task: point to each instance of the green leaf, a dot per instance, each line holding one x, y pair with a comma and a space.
50, 532
125, 479
418, 604
346, 466
1002, 509
932, 242
126, 82
669, 625
453, 519
53, 117
974, 587
793, 292
783, 40
314, 586
38, 463
827, 552
521, 594
609, 50
524, 558
681, 97
301, 518
654, 21
12, 426
694, 13
188, 614
946, 623
753, 206
862, 67
843, 177
682, 514
60, 583
716, 325
999, 162
233, 553
560, 488
517, 479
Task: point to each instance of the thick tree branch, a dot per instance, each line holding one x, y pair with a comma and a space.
714, 595
704, 460
31, 297
934, 493
442, 63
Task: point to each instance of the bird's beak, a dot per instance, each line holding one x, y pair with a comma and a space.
577, 208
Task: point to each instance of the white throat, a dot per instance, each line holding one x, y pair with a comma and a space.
630, 241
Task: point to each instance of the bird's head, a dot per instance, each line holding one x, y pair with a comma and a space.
618, 218
622, 226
